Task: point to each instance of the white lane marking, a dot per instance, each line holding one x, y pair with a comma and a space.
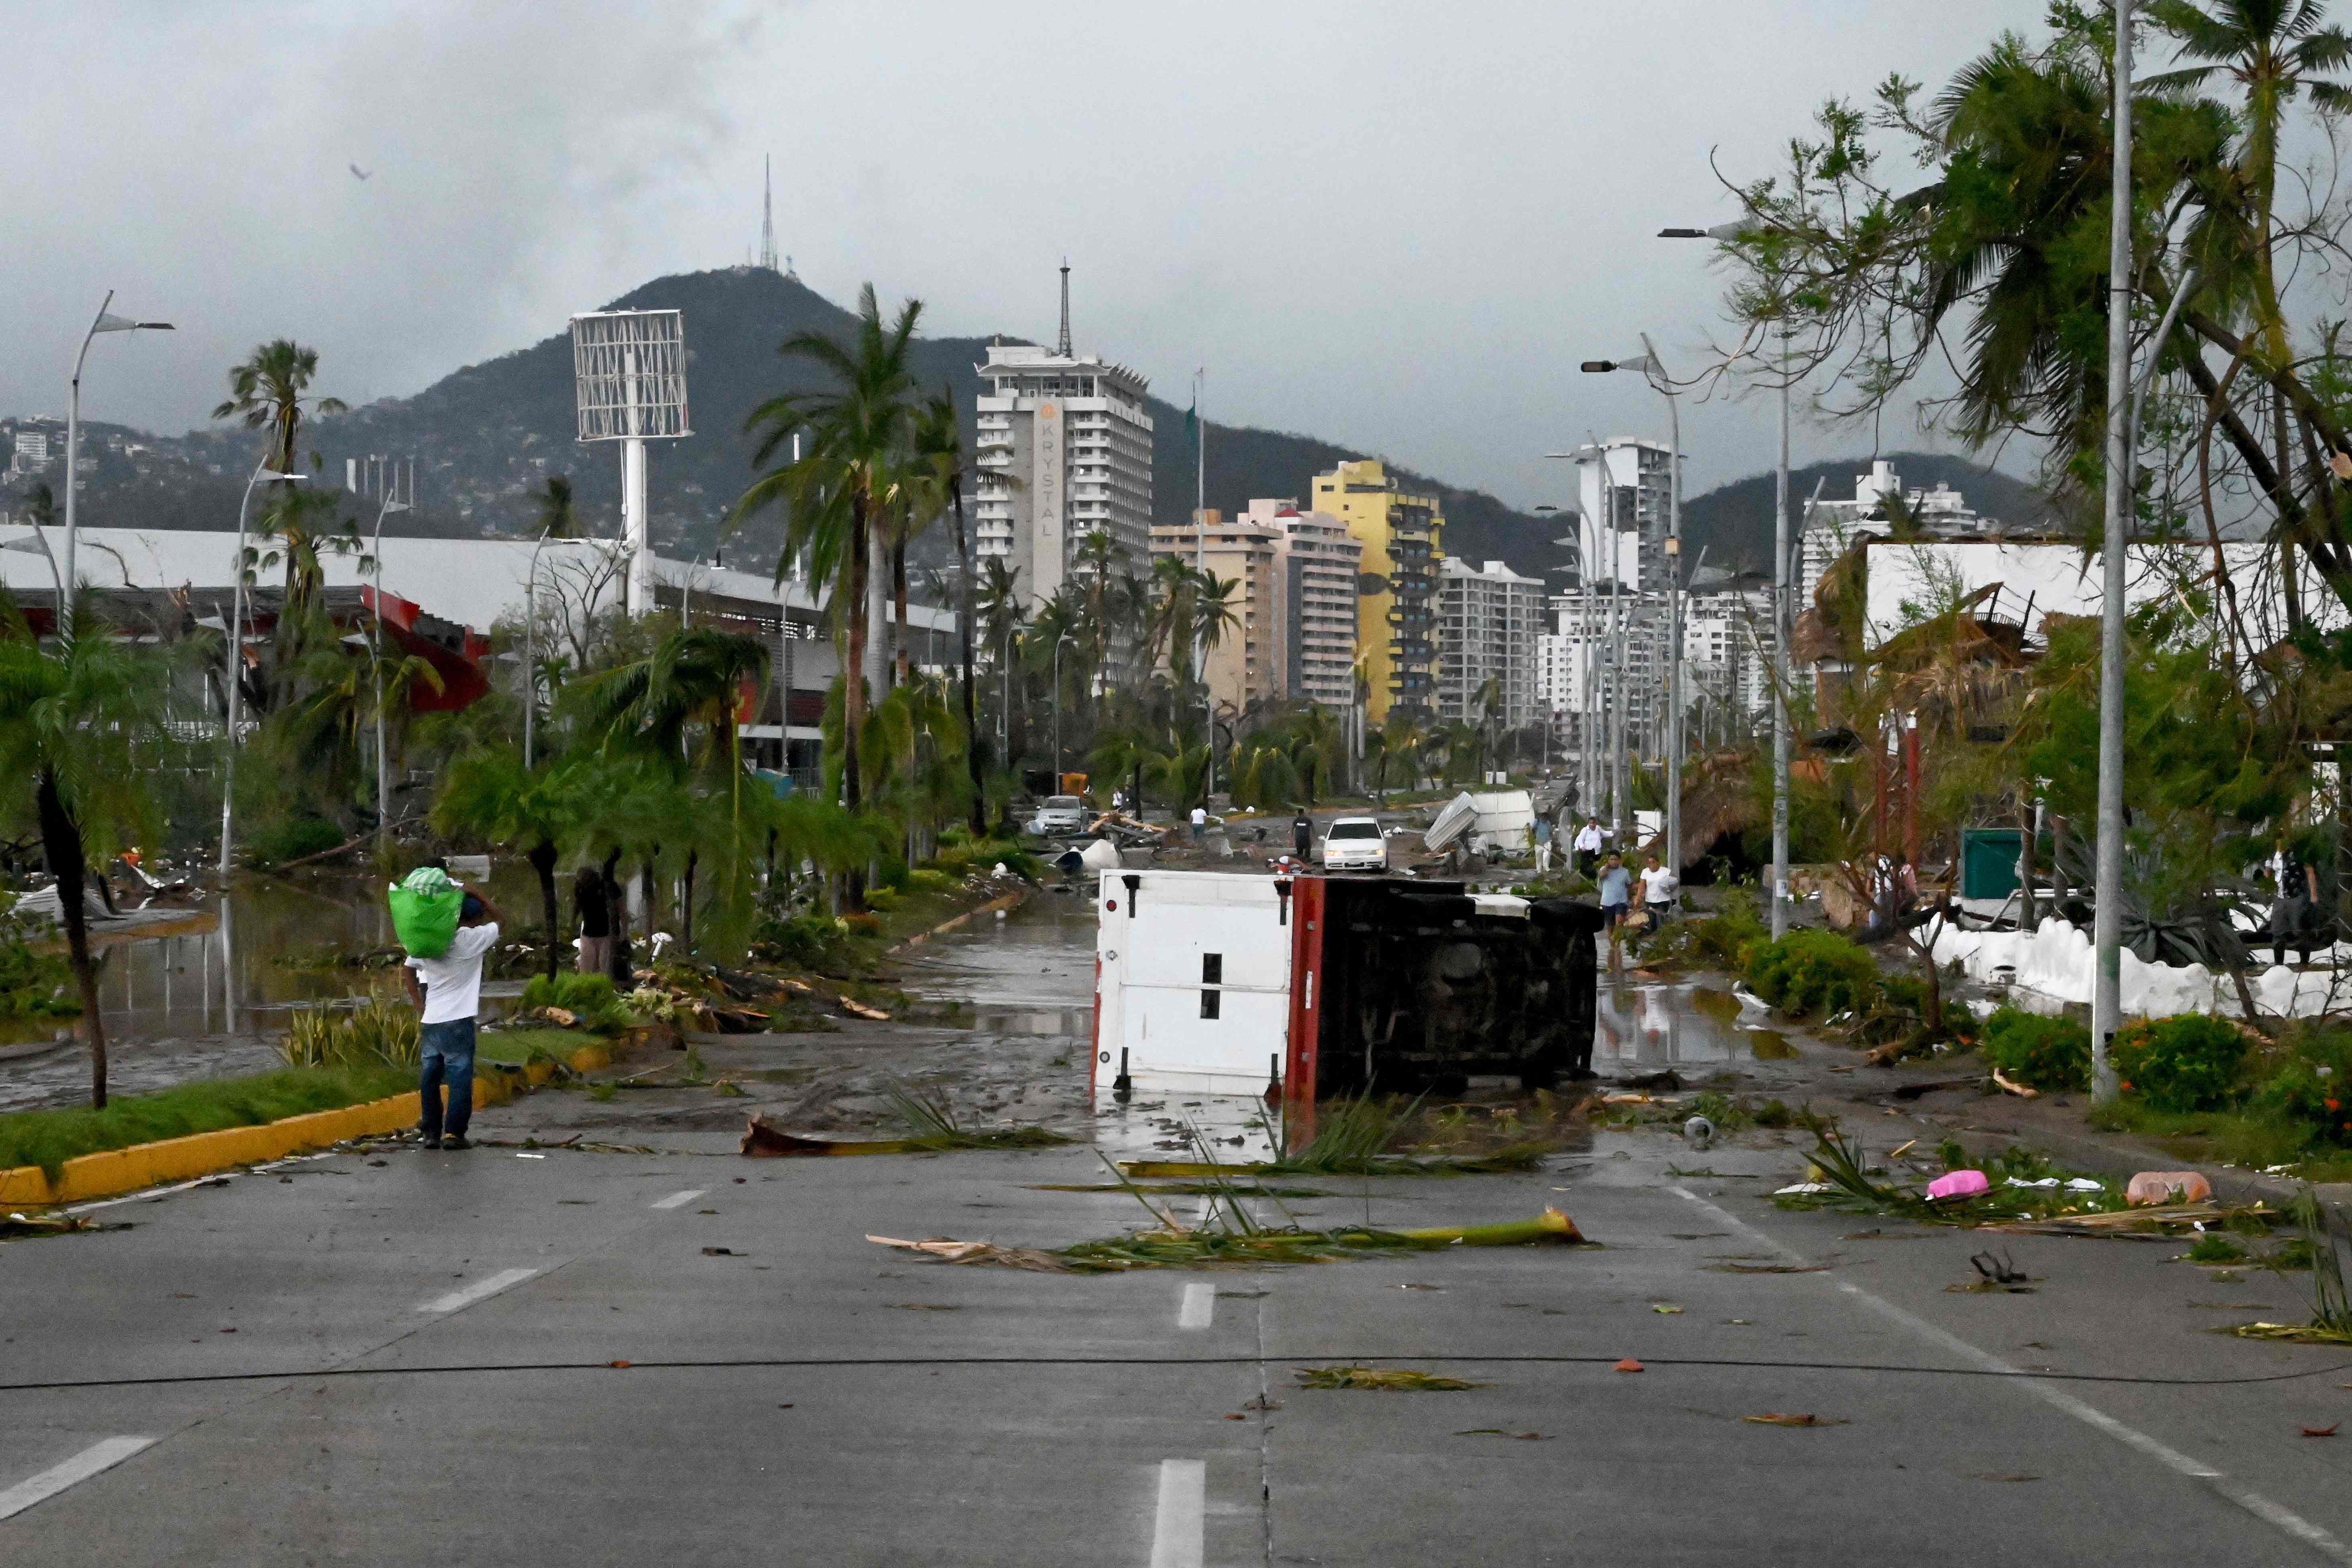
98, 1457
679, 1200
2171, 1459
1200, 1307
481, 1289
1179, 1523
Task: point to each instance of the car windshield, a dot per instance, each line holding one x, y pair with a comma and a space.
1061, 803
1355, 831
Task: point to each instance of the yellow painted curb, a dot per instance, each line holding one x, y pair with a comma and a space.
588, 1059
118, 1171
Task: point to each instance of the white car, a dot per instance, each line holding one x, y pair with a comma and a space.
1355, 844
1061, 814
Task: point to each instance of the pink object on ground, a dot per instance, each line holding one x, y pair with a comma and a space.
1959, 1184
2168, 1187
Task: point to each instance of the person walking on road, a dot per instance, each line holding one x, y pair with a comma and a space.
1616, 893
2298, 893
1587, 847
1542, 832
447, 991
1302, 835
1660, 889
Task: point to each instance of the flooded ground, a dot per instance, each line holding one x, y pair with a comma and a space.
1003, 1028
212, 1000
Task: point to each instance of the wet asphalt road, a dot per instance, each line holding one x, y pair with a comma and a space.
800, 1395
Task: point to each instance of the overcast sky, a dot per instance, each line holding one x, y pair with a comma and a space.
1399, 226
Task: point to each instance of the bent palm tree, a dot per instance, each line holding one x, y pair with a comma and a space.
74, 718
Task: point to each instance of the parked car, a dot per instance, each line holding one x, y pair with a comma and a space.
1061, 814
1355, 844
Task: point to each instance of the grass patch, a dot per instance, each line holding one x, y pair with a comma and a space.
520, 1047
933, 1122
2257, 1136
50, 1138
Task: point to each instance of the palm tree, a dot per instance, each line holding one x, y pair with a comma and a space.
2277, 51
81, 722
490, 794
843, 490
270, 390
558, 516
694, 681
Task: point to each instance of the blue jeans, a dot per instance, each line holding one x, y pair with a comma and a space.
448, 1051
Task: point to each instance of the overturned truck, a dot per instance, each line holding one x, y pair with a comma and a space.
1312, 986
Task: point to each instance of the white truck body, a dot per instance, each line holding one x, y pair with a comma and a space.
1192, 987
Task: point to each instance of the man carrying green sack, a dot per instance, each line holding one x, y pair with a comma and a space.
424, 908
447, 988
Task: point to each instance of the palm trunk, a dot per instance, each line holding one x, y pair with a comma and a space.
852, 607
543, 861
61, 844
902, 657
978, 820
686, 916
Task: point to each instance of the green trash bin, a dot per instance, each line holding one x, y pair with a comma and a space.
1989, 861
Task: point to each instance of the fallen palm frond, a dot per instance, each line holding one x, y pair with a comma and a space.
1390, 1380
1785, 1418
16, 1226
1181, 1189
928, 1117
1172, 1246
1507, 1161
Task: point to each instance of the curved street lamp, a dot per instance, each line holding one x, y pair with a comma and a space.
1654, 371
383, 789
102, 322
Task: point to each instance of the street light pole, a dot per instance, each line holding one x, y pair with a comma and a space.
1673, 612
102, 322
1655, 373
383, 786
2106, 997
1065, 638
236, 664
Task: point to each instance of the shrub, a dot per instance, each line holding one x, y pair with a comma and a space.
923, 880
884, 900
805, 940
960, 856
2308, 1086
2188, 1063
591, 999
378, 1034
293, 839
2037, 1051
1813, 972
1723, 940
35, 984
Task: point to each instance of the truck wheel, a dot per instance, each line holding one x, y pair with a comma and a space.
1537, 1076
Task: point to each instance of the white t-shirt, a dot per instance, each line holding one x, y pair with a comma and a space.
1660, 885
1200, 817
453, 981
1588, 836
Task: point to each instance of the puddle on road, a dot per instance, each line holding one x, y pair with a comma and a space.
1644, 1026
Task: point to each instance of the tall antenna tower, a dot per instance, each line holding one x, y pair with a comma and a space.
767, 213
1062, 345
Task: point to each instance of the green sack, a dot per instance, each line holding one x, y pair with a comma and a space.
424, 908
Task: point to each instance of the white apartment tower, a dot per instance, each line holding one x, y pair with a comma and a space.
1487, 623
1063, 451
